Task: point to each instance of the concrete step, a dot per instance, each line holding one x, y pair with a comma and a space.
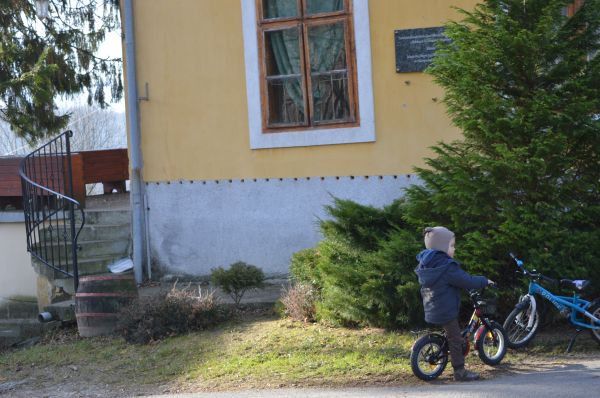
88, 266
89, 232
87, 249
105, 217
97, 265
105, 232
114, 201
15, 330
18, 307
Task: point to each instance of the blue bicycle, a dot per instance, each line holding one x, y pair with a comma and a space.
523, 322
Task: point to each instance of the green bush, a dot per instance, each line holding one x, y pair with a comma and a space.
363, 268
521, 82
304, 268
238, 279
151, 318
362, 226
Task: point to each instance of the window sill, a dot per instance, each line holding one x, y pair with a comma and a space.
331, 136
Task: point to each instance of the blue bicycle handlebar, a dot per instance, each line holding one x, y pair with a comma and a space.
519, 262
533, 274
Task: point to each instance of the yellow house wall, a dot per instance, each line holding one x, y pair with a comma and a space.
191, 54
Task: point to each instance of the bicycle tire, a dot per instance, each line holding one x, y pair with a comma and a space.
429, 357
595, 311
515, 328
492, 344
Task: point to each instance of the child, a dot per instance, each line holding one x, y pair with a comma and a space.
441, 279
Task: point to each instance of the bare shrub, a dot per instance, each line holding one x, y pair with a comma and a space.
299, 302
176, 312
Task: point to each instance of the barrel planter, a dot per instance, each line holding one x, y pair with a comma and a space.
98, 301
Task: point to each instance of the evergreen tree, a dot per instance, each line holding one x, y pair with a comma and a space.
522, 82
42, 59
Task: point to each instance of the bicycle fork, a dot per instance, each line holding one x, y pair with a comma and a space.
527, 300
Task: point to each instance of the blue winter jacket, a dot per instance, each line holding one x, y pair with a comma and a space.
441, 279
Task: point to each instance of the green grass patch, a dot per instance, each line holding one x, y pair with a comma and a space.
260, 353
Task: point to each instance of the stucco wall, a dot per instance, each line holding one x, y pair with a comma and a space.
194, 126
18, 277
199, 225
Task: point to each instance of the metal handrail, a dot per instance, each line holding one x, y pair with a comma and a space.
43, 206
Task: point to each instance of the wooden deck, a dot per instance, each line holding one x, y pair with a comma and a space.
109, 167
10, 183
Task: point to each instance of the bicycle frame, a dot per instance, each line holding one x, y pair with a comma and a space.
576, 304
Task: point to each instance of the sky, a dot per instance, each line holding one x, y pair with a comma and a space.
112, 48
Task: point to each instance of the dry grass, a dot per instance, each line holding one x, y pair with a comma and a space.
262, 352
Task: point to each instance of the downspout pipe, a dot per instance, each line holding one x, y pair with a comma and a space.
135, 150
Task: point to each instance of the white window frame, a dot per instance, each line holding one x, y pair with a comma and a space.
325, 136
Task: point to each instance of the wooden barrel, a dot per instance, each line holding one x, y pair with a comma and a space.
98, 301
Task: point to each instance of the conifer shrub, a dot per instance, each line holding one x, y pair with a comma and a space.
522, 82
363, 267
238, 279
304, 268
179, 311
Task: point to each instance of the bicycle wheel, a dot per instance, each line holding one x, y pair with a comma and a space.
595, 311
515, 327
491, 344
429, 357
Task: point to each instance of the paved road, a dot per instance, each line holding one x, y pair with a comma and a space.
569, 381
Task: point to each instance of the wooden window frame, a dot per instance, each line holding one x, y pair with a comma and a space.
574, 7
303, 22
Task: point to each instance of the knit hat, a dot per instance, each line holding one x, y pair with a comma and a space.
438, 238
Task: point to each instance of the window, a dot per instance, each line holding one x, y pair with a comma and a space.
308, 72
573, 8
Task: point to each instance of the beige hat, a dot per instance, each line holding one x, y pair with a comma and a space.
438, 238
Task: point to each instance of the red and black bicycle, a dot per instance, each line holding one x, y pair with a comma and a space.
429, 354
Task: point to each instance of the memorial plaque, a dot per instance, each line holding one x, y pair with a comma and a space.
415, 48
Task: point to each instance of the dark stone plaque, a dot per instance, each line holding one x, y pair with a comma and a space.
415, 48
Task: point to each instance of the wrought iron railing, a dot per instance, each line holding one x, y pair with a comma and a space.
50, 223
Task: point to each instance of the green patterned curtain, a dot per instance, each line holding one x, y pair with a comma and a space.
319, 6
327, 53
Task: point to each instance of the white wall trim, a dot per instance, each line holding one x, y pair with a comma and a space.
364, 133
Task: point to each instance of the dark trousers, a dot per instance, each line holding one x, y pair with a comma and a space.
455, 342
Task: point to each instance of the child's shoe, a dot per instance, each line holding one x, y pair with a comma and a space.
465, 375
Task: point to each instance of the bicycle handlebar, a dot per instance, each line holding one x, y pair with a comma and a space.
519, 262
534, 274
479, 292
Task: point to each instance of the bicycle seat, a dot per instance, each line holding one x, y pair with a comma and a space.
578, 284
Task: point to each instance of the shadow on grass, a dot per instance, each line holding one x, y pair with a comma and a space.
255, 350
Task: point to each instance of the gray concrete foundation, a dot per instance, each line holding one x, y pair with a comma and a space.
195, 226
